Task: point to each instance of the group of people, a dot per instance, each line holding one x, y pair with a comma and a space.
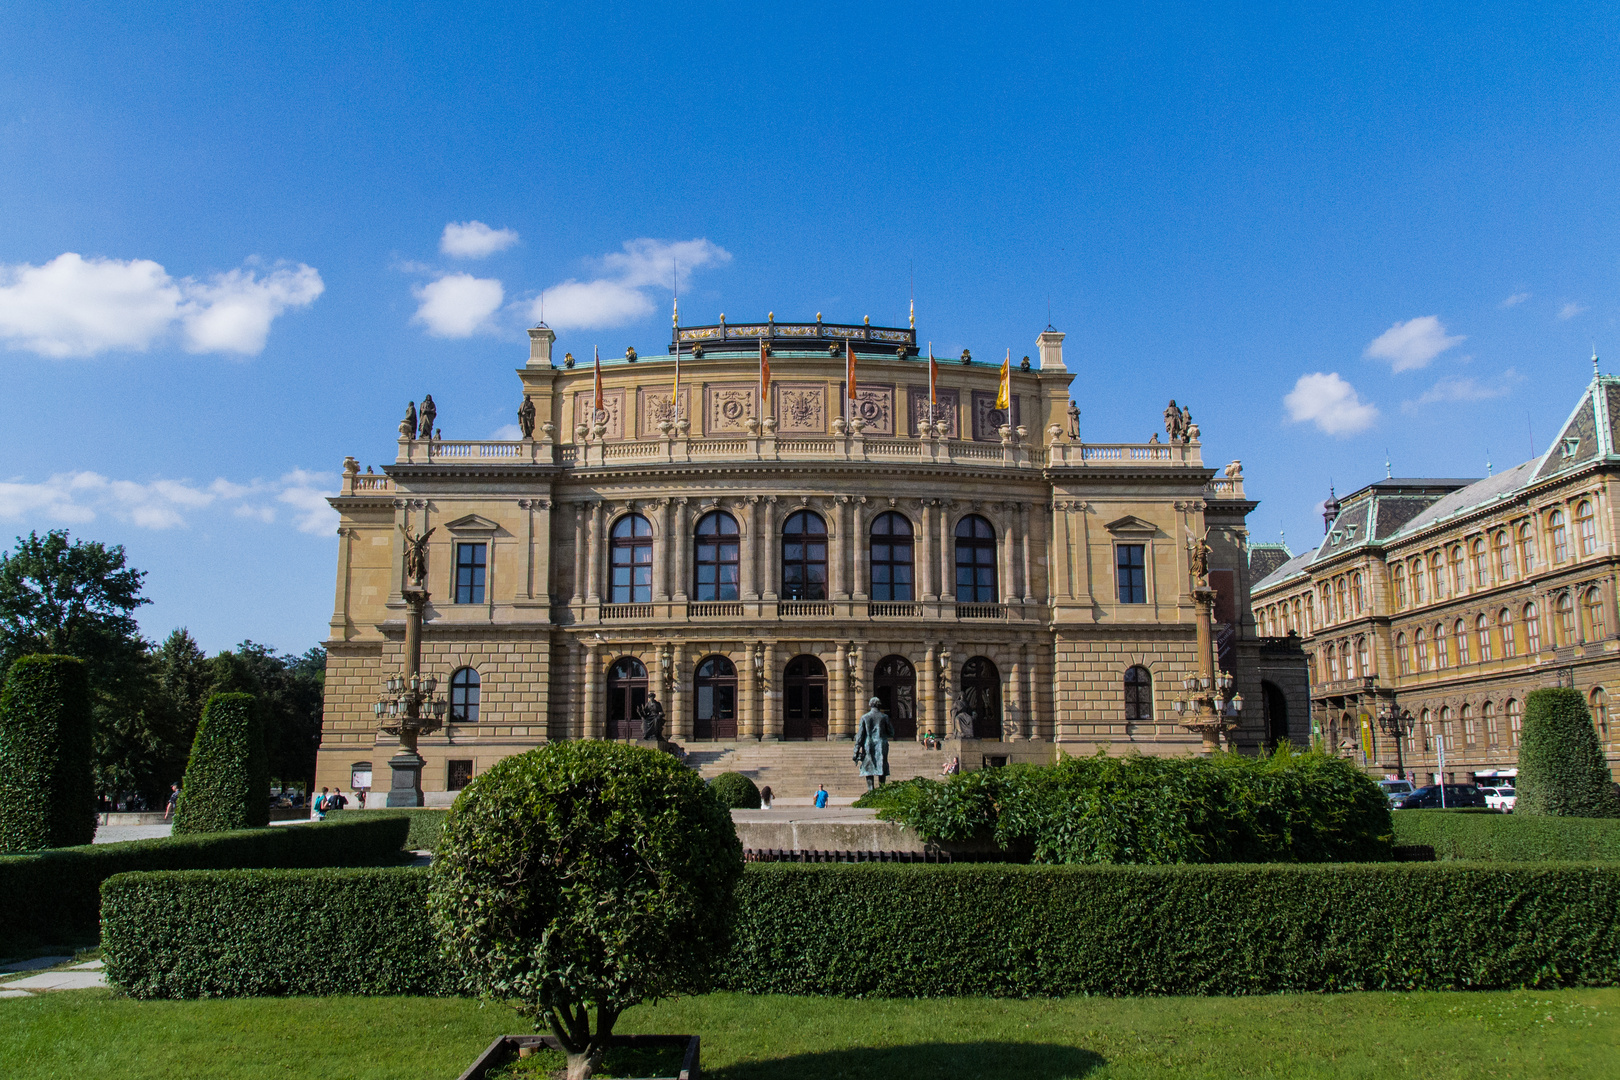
328, 801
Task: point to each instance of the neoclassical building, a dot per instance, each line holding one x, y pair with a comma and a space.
1454, 598
765, 563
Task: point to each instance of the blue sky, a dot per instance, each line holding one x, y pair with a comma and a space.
224, 261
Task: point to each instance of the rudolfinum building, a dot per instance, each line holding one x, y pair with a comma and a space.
735, 530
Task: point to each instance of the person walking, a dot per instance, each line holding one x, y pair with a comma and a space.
174, 800
765, 797
821, 797
320, 806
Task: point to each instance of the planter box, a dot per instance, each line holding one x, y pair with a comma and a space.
505, 1048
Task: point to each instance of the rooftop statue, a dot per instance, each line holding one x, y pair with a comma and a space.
526, 417
1074, 422
407, 426
429, 412
1174, 425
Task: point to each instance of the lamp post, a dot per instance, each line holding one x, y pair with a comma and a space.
408, 706
1397, 723
1207, 703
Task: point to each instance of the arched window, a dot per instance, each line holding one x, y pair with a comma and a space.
1400, 587
1309, 625
1460, 632
1428, 731
981, 690
1420, 650
1504, 556
1560, 536
715, 557
1586, 527
632, 559
1358, 593
1482, 572
1527, 550
1401, 655
1493, 736
1437, 574
1482, 631
1362, 657
1510, 637
1271, 620
894, 683
1470, 727
1596, 630
891, 557
1600, 712
1566, 619
1333, 663
804, 556
1532, 630
626, 693
1417, 581
804, 698
714, 685
1349, 660
464, 696
1327, 605
1459, 572
1515, 721
1448, 728
1442, 650
1138, 695
975, 561
1342, 598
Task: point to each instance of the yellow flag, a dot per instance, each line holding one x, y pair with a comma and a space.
1004, 391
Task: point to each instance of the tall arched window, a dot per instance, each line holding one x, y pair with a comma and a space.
1349, 660
1333, 663
1401, 655
1448, 728
1470, 727
1459, 572
1600, 712
1442, 650
714, 685
894, 683
804, 556
1586, 527
715, 557
631, 556
1428, 731
1482, 572
975, 561
1532, 630
1138, 695
464, 696
1362, 657
626, 693
1515, 721
804, 699
1309, 625
891, 557
1566, 619
1482, 631
1342, 597
1596, 630
1437, 573
1417, 581
1327, 605
1527, 549
981, 690
1510, 637
1420, 650
1399, 579
1460, 632
1358, 593
1504, 556
1560, 536
1493, 736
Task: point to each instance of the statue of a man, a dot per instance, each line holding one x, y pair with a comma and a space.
652, 719
416, 559
962, 717
1172, 420
1186, 423
1074, 422
429, 413
407, 426
526, 417
872, 744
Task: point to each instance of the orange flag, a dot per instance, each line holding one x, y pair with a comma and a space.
1004, 390
933, 381
764, 377
849, 373
600, 404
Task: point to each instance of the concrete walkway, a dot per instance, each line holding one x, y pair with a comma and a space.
113, 834
86, 976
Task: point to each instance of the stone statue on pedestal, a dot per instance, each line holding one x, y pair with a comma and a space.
962, 717
652, 719
1074, 422
429, 412
1200, 562
407, 426
872, 744
416, 559
526, 417
1172, 421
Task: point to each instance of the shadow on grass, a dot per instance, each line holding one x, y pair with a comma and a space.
981, 1060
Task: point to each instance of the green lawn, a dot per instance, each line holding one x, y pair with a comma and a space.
1567, 1033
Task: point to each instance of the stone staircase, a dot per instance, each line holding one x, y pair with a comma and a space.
794, 769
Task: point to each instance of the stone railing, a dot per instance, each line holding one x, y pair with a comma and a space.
1225, 487
367, 484
1132, 454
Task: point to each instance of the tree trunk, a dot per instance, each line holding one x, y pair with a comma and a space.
584, 1048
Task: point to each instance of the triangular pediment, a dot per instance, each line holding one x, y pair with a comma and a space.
472, 523
1131, 525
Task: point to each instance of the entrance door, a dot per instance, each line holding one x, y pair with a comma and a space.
895, 684
1276, 715
804, 699
715, 695
981, 687
626, 690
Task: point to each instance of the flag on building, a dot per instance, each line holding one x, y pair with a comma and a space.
764, 377
1004, 391
600, 403
849, 377
933, 382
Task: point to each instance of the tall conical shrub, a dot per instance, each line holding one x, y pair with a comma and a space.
227, 783
47, 789
1561, 768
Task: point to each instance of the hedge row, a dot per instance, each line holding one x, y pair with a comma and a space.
227, 781
53, 897
923, 931
1509, 837
47, 788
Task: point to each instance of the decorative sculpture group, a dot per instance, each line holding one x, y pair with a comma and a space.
414, 427
1178, 423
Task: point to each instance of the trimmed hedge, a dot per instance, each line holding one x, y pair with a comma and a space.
1562, 771
1456, 834
426, 825
887, 930
47, 784
227, 782
735, 791
53, 897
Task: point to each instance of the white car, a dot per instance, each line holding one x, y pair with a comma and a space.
1500, 798
1396, 790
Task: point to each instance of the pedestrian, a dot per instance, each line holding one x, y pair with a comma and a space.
320, 806
337, 802
821, 797
360, 797
174, 800
765, 797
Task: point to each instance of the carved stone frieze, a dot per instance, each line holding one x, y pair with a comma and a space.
801, 408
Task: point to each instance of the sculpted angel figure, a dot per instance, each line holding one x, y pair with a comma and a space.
416, 558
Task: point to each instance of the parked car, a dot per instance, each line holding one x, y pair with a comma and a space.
1396, 790
1457, 796
1500, 798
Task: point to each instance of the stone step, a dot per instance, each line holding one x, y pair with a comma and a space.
796, 769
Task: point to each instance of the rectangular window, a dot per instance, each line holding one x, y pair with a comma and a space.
470, 563
460, 775
1131, 567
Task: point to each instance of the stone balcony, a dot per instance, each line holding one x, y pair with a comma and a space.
840, 610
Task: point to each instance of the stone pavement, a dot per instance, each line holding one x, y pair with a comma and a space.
112, 834
86, 976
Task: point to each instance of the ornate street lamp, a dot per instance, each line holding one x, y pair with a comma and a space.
1397, 723
1207, 703
408, 705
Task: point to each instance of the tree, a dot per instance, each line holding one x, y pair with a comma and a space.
585, 875
47, 793
68, 598
1562, 772
227, 784
290, 690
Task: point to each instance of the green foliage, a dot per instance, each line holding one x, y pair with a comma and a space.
1283, 807
227, 783
1562, 771
52, 897
735, 791
896, 795
289, 690
426, 823
47, 792
585, 874
68, 598
1509, 837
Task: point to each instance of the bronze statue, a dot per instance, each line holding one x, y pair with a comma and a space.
1074, 421
425, 431
416, 559
1200, 562
526, 417
407, 426
652, 719
872, 744
1172, 421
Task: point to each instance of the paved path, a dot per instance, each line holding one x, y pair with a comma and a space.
112, 834
85, 976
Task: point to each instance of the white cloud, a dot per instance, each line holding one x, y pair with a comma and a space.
474, 240
1412, 344
81, 497
306, 493
508, 433
1330, 403
1570, 310
619, 296
458, 305
1516, 299
73, 306
1464, 390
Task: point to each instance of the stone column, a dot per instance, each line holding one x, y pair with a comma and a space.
541, 586
1057, 573
595, 720
683, 561
1006, 589
928, 693
661, 553
838, 689
769, 550
748, 587
527, 506
579, 555
840, 564
862, 551
770, 699
574, 723
1024, 521
748, 695
923, 569
593, 556
947, 554
680, 713
1081, 588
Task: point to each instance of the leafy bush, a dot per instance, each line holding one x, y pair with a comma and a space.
585, 874
928, 931
1285, 807
1456, 834
1562, 771
895, 795
227, 784
426, 824
735, 791
47, 786
52, 897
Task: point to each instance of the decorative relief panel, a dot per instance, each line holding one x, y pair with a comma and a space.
613, 405
987, 418
726, 406
800, 408
873, 403
946, 408
654, 405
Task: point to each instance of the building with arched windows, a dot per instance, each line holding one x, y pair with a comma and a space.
764, 556
1455, 598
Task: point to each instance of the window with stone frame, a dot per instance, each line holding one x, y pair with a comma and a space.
1493, 736
1448, 728
1515, 721
1566, 620
1460, 633
804, 556
1310, 614
464, 691
458, 774
1510, 635
1428, 731
630, 558
1596, 630
891, 555
1342, 596
1459, 572
1482, 570
1527, 549
1333, 663
1600, 712
1138, 695
1327, 604
716, 561
1420, 650
1532, 630
1398, 578
1504, 556
1442, 648
1437, 574
1363, 657
1358, 593
1470, 727
976, 561
1560, 536
471, 560
1586, 527
1482, 631
1402, 656
1418, 584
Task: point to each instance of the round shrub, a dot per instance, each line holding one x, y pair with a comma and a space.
585, 875
227, 782
1562, 771
47, 788
735, 791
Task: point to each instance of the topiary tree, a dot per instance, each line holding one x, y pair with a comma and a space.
47, 753
585, 875
1562, 772
735, 791
227, 782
